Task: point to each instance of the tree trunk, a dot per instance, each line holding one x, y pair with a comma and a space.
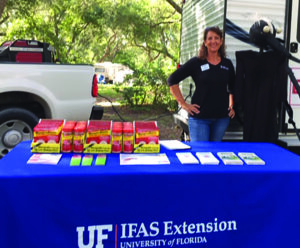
2, 6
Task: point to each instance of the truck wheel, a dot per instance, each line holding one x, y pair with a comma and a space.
16, 125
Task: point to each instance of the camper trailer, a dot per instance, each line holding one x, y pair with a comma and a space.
199, 14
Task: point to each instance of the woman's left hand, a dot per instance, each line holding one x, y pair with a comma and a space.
231, 112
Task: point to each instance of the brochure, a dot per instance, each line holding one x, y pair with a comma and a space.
101, 159
130, 159
207, 158
230, 158
44, 158
251, 158
174, 144
187, 158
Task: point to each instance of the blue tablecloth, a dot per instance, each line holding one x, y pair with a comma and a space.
134, 206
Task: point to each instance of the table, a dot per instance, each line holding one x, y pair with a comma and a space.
134, 206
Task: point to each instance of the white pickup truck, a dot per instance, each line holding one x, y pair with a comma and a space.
30, 91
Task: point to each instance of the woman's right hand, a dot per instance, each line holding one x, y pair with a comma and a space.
191, 108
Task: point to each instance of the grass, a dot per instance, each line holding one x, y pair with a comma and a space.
108, 90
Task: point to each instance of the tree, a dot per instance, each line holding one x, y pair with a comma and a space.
102, 29
137, 33
11, 9
19, 7
68, 25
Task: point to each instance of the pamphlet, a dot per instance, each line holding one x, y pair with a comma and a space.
101, 159
251, 158
44, 158
75, 160
207, 158
174, 144
156, 158
230, 158
187, 158
87, 160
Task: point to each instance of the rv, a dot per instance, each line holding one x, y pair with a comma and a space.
111, 72
199, 14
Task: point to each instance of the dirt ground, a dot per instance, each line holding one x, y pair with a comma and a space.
167, 128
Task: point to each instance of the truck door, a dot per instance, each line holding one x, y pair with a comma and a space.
294, 48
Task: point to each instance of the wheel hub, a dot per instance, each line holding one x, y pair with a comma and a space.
12, 138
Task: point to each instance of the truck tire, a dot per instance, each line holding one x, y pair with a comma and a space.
16, 125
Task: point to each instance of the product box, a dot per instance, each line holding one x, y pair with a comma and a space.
98, 137
46, 136
146, 137
116, 137
48, 131
146, 130
128, 137
67, 136
37, 147
79, 136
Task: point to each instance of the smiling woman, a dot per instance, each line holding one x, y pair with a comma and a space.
213, 45
212, 102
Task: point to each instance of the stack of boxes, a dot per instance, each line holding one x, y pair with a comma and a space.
146, 137
146, 132
128, 137
79, 136
94, 136
46, 136
67, 136
98, 137
116, 137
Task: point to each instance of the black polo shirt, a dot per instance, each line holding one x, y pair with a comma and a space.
213, 85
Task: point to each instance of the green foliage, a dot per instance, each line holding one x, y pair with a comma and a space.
133, 96
141, 34
149, 86
96, 30
20, 7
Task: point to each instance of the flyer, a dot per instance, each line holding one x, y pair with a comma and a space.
187, 158
230, 158
44, 158
174, 144
251, 158
207, 158
143, 159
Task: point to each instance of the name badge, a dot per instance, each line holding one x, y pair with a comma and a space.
205, 67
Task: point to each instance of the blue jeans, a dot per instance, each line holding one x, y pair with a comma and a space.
207, 129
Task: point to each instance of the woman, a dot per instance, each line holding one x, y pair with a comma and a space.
212, 101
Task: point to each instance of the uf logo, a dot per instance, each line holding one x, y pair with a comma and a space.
92, 229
